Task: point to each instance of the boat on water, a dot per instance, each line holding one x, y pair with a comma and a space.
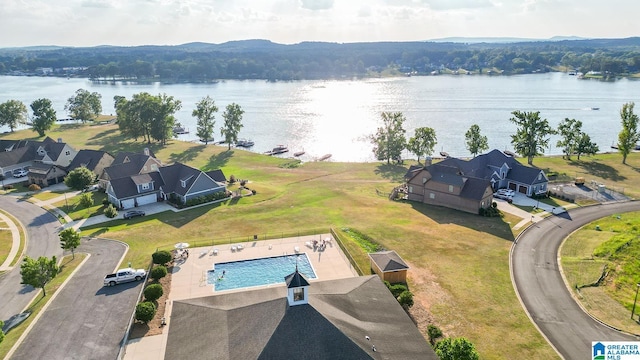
245, 143
444, 154
324, 157
298, 153
280, 149
179, 130
595, 108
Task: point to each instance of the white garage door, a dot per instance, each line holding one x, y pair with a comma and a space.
128, 204
147, 199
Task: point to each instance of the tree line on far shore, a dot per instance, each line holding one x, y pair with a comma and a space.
529, 141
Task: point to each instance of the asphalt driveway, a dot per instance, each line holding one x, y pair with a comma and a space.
536, 276
85, 320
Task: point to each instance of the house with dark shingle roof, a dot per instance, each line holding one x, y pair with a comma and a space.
389, 266
462, 184
503, 171
44, 175
23, 154
446, 185
94, 160
183, 183
352, 318
127, 164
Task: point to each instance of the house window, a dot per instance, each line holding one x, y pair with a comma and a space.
432, 196
154, 167
145, 186
424, 180
450, 188
540, 176
67, 152
411, 189
298, 294
183, 183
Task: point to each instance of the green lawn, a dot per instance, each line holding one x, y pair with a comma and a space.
72, 206
5, 241
459, 262
45, 195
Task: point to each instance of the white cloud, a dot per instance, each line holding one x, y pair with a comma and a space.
316, 4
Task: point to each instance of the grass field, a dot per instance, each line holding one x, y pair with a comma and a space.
459, 262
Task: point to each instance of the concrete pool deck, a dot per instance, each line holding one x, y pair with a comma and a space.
189, 278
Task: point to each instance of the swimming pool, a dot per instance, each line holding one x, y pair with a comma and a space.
256, 272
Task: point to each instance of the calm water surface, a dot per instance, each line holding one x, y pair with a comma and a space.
336, 117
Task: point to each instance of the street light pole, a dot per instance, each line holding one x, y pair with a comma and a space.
633, 309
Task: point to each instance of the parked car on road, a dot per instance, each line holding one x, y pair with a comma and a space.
132, 214
124, 275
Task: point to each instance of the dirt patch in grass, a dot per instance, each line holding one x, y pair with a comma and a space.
154, 327
427, 292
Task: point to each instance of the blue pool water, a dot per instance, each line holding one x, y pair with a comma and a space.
255, 272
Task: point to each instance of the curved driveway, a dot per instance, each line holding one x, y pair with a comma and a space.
85, 320
42, 240
539, 284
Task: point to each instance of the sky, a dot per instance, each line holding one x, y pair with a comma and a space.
172, 22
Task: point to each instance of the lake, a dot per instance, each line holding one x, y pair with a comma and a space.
337, 116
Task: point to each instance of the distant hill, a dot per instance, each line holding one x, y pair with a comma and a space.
502, 40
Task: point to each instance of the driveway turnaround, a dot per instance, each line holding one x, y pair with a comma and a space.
539, 284
85, 320
42, 240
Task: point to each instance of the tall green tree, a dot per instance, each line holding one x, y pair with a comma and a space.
38, 273
422, 142
389, 140
456, 349
147, 116
570, 131
44, 116
532, 135
232, 123
628, 136
475, 141
79, 178
205, 113
586, 146
12, 113
70, 240
84, 105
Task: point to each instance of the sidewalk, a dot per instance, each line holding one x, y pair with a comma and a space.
527, 217
15, 242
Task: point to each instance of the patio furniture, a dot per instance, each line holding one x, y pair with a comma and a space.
214, 252
233, 248
240, 247
297, 249
309, 245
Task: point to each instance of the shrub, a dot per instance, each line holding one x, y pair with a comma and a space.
153, 292
397, 289
34, 187
161, 257
86, 200
105, 202
110, 211
406, 299
232, 179
145, 311
158, 272
253, 192
8, 187
434, 333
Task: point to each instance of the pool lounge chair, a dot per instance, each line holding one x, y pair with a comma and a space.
297, 249
214, 252
233, 248
240, 247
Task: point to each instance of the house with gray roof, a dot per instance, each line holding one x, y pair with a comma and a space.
23, 154
445, 185
351, 318
127, 164
177, 182
468, 185
94, 160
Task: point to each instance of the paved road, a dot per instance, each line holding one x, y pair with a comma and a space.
537, 279
85, 320
42, 240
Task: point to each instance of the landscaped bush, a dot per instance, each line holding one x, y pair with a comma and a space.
110, 211
206, 198
490, 211
145, 311
406, 299
8, 187
161, 257
105, 202
86, 200
396, 289
158, 272
153, 292
34, 187
232, 179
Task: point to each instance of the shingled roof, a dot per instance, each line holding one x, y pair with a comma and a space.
258, 324
388, 261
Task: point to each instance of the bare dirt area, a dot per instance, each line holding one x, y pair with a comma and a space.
426, 292
154, 327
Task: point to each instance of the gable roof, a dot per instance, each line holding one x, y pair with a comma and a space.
217, 175
295, 279
17, 156
258, 324
447, 173
388, 261
126, 187
88, 159
175, 174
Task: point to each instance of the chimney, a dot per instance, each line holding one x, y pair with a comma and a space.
60, 140
146, 151
427, 161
